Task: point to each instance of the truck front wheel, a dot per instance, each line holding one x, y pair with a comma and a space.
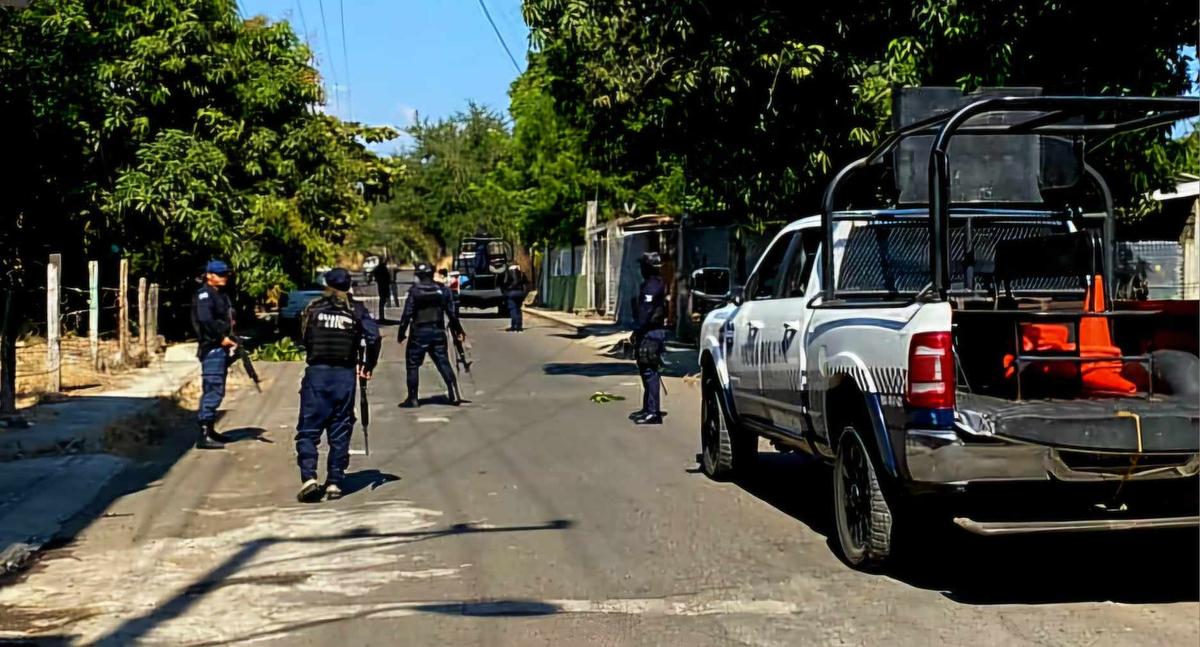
725, 450
864, 519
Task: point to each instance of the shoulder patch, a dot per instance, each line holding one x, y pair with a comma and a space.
203, 295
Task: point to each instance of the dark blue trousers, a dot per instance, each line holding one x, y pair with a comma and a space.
651, 378
326, 406
516, 318
214, 367
427, 339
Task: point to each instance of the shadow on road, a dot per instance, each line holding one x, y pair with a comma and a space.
247, 433
1125, 567
134, 629
590, 369
363, 479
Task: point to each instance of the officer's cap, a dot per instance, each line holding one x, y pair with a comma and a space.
423, 269
216, 267
338, 279
651, 259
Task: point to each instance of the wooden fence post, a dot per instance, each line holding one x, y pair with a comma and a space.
143, 339
94, 312
153, 317
53, 324
123, 311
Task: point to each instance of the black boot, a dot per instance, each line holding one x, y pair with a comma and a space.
410, 403
208, 438
453, 396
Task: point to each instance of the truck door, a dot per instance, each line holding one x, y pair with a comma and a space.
748, 353
784, 378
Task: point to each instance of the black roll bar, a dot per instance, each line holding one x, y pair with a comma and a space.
1062, 116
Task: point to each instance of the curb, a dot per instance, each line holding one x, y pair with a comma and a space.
553, 317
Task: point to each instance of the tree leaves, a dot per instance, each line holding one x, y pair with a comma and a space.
177, 131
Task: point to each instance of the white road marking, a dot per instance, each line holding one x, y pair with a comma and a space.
433, 419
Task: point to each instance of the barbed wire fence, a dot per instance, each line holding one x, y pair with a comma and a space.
88, 333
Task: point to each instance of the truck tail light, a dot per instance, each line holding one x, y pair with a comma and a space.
931, 371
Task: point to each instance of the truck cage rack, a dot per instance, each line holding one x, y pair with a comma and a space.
1062, 116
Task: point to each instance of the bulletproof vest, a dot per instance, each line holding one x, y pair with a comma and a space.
333, 333
427, 303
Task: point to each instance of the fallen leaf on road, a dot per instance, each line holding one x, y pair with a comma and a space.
602, 397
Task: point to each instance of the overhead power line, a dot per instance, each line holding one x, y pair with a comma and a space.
487, 14
303, 22
346, 59
329, 49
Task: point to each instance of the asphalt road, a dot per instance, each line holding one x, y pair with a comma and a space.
533, 516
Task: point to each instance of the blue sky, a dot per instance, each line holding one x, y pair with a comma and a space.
406, 57
402, 58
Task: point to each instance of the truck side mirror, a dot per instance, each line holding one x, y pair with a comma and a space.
736, 295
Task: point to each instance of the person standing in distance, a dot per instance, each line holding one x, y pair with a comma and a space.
427, 309
383, 283
649, 338
516, 286
212, 318
334, 328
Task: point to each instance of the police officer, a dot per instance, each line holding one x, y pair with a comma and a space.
516, 286
428, 307
649, 338
334, 328
212, 318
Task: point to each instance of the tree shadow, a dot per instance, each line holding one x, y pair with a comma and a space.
363, 479
1132, 567
590, 369
134, 629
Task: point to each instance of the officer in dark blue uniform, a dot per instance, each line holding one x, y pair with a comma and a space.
427, 308
649, 337
212, 318
335, 328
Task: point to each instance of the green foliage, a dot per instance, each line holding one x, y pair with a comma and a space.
753, 106
284, 350
173, 131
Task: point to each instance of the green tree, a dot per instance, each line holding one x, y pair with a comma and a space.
758, 104
172, 131
446, 190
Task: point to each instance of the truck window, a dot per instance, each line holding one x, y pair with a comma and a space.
803, 260
765, 281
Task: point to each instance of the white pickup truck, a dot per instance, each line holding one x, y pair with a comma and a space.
961, 375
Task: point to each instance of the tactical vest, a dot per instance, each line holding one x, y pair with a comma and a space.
333, 333
427, 303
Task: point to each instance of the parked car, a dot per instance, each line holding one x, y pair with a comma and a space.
985, 386
293, 303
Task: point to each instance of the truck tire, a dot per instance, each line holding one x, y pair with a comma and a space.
725, 450
862, 514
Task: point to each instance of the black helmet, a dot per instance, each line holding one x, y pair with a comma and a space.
651, 259
423, 270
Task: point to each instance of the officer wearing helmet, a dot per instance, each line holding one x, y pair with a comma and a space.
649, 337
426, 310
342, 343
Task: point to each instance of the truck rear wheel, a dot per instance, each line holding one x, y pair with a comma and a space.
863, 516
725, 450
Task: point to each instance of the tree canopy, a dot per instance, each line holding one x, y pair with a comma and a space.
755, 105
172, 131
